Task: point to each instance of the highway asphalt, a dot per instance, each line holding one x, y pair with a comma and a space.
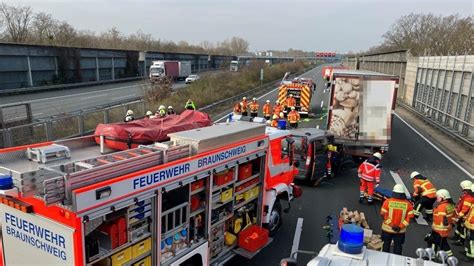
49, 103
408, 152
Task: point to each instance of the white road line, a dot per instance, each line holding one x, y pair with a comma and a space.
224, 117
398, 180
123, 97
74, 95
93, 96
322, 103
436, 148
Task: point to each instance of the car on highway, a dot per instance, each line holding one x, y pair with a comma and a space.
191, 79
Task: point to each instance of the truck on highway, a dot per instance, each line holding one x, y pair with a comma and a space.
234, 66
198, 199
176, 70
361, 110
302, 94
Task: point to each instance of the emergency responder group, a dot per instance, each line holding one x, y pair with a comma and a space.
160, 113
438, 207
271, 113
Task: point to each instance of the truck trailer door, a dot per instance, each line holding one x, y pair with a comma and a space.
30, 239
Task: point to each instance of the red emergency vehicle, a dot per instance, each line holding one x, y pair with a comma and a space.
181, 202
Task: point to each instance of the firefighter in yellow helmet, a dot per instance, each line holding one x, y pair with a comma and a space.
274, 121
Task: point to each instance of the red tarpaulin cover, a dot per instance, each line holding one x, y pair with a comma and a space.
122, 136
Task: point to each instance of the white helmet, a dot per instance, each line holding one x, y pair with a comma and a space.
275, 117
466, 184
472, 187
129, 112
254, 99
282, 115
161, 107
268, 101
399, 188
292, 108
291, 95
277, 101
378, 155
414, 174
170, 107
148, 113
244, 98
443, 193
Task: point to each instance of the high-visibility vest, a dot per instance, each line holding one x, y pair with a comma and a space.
244, 106
469, 222
254, 107
267, 109
369, 172
467, 205
290, 101
274, 123
293, 117
396, 212
424, 188
460, 203
277, 109
237, 108
443, 215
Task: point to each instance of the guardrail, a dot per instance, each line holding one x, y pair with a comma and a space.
459, 136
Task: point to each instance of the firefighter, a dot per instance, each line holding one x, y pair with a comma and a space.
293, 118
461, 210
267, 110
254, 108
396, 213
443, 218
290, 102
244, 106
469, 224
129, 116
369, 174
171, 111
190, 105
274, 121
238, 109
162, 111
148, 114
424, 195
277, 109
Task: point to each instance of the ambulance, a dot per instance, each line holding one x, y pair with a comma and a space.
200, 198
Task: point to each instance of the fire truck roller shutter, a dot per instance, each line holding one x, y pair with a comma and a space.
274, 194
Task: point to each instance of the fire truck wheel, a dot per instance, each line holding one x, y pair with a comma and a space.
275, 218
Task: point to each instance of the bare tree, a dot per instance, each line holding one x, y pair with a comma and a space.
65, 34
43, 28
16, 21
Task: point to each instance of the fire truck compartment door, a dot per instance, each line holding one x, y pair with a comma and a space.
30, 239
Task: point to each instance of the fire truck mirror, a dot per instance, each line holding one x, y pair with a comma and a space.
103, 193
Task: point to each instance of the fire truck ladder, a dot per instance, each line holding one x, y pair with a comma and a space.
90, 171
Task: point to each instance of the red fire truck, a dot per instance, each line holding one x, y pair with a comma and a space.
198, 199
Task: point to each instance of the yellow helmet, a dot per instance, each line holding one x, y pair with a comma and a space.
275, 117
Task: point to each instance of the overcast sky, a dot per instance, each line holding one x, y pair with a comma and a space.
338, 25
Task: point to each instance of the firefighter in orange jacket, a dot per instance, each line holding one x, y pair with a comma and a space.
267, 110
469, 225
443, 218
290, 102
238, 109
254, 108
277, 109
396, 213
274, 122
424, 195
369, 175
293, 118
462, 207
244, 105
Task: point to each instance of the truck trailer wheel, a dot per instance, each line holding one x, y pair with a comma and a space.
275, 219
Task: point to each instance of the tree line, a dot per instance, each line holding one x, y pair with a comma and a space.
20, 24
428, 34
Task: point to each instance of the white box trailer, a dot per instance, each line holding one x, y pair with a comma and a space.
361, 110
160, 204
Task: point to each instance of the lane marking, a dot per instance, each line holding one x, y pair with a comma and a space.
225, 117
74, 95
436, 148
398, 180
123, 97
93, 96
322, 103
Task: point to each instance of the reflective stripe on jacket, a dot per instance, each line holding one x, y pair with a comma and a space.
293, 117
369, 172
277, 109
254, 107
469, 222
290, 101
424, 188
396, 212
267, 109
443, 215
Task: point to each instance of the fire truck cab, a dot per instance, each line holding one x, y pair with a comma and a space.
189, 201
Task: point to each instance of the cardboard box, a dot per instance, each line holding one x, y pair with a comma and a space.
367, 235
